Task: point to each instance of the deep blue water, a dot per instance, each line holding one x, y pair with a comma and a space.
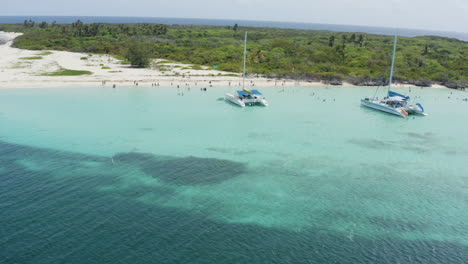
59, 228
224, 22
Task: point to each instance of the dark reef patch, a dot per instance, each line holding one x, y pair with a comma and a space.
395, 224
424, 136
260, 136
183, 170
415, 148
48, 219
416, 142
12, 151
372, 143
231, 151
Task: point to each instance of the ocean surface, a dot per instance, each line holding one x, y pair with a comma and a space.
407, 32
141, 175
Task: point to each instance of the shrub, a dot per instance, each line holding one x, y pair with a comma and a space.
31, 58
138, 54
44, 53
67, 72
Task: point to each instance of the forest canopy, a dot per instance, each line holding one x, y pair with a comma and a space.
359, 58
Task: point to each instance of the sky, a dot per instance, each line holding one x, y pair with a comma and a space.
446, 15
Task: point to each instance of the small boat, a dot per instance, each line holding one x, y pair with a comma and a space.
394, 103
246, 97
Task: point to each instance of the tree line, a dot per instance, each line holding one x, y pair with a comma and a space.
272, 52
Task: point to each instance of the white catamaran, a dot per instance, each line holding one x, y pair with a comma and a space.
246, 97
394, 103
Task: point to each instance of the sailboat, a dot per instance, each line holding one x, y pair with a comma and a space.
246, 97
394, 103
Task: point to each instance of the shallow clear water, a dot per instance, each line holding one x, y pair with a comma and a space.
140, 175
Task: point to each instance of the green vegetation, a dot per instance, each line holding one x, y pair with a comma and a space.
165, 61
106, 68
197, 67
122, 59
67, 72
139, 54
84, 58
31, 58
45, 53
279, 53
230, 75
21, 65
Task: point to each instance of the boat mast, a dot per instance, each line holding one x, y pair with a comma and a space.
245, 55
393, 63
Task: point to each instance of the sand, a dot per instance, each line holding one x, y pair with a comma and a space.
18, 69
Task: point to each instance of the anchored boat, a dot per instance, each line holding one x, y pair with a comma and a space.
246, 97
394, 103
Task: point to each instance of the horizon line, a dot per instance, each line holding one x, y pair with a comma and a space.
259, 20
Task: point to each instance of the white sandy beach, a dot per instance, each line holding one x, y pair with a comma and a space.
19, 70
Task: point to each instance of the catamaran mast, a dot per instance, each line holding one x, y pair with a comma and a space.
393, 63
245, 55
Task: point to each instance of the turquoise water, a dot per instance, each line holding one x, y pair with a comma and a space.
141, 175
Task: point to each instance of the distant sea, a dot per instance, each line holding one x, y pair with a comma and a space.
224, 22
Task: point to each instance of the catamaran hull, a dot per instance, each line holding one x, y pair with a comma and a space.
234, 99
415, 109
263, 102
376, 106
245, 101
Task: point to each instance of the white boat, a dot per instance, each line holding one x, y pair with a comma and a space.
394, 103
246, 97
389, 105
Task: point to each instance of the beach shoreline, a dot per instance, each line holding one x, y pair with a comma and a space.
31, 69
179, 82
